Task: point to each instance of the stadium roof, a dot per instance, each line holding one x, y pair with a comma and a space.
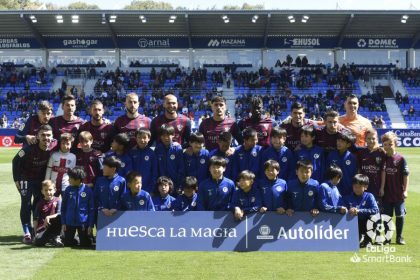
190, 23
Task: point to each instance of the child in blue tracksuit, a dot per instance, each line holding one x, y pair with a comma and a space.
302, 192
144, 160
77, 209
345, 160
225, 151
361, 204
215, 193
247, 198
329, 198
280, 153
197, 163
187, 201
315, 154
119, 146
170, 157
109, 188
273, 189
248, 155
136, 199
162, 200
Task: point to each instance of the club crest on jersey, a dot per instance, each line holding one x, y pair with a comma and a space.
83, 194
68, 161
202, 161
146, 158
310, 193
91, 158
254, 154
378, 160
103, 135
21, 153
193, 204
180, 127
225, 189
210, 192
172, 157
77, 126
266, 126
278, 188
141, 202
253, 199
363, 203
169, 205
116, 188
316, 156
348, 162
122, 164
284, 159
396, 162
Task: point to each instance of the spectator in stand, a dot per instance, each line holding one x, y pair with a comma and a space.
3, 121
357, 124
411, 111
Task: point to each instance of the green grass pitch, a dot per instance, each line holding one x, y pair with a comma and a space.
19, 261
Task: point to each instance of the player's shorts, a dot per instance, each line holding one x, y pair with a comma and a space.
399, 207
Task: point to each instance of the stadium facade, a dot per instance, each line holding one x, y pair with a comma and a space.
195, 38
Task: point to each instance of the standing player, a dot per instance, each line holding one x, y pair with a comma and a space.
357, 124
218, 123
132, 120
180, 123
293, 125
395, 186
60, 163
29, 167
371, 160
27, 135
263, 126
102, 132
68, 122
326, 136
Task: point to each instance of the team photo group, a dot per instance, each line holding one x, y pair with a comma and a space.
70, 169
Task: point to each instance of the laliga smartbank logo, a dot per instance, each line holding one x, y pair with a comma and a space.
376, 231
376, 225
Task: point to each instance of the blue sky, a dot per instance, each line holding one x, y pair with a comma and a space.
273, 4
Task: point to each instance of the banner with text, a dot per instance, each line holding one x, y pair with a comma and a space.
218, 231
301, 42
376, 43
406, 137
19, 43
153, 42
80, 43
227, 42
